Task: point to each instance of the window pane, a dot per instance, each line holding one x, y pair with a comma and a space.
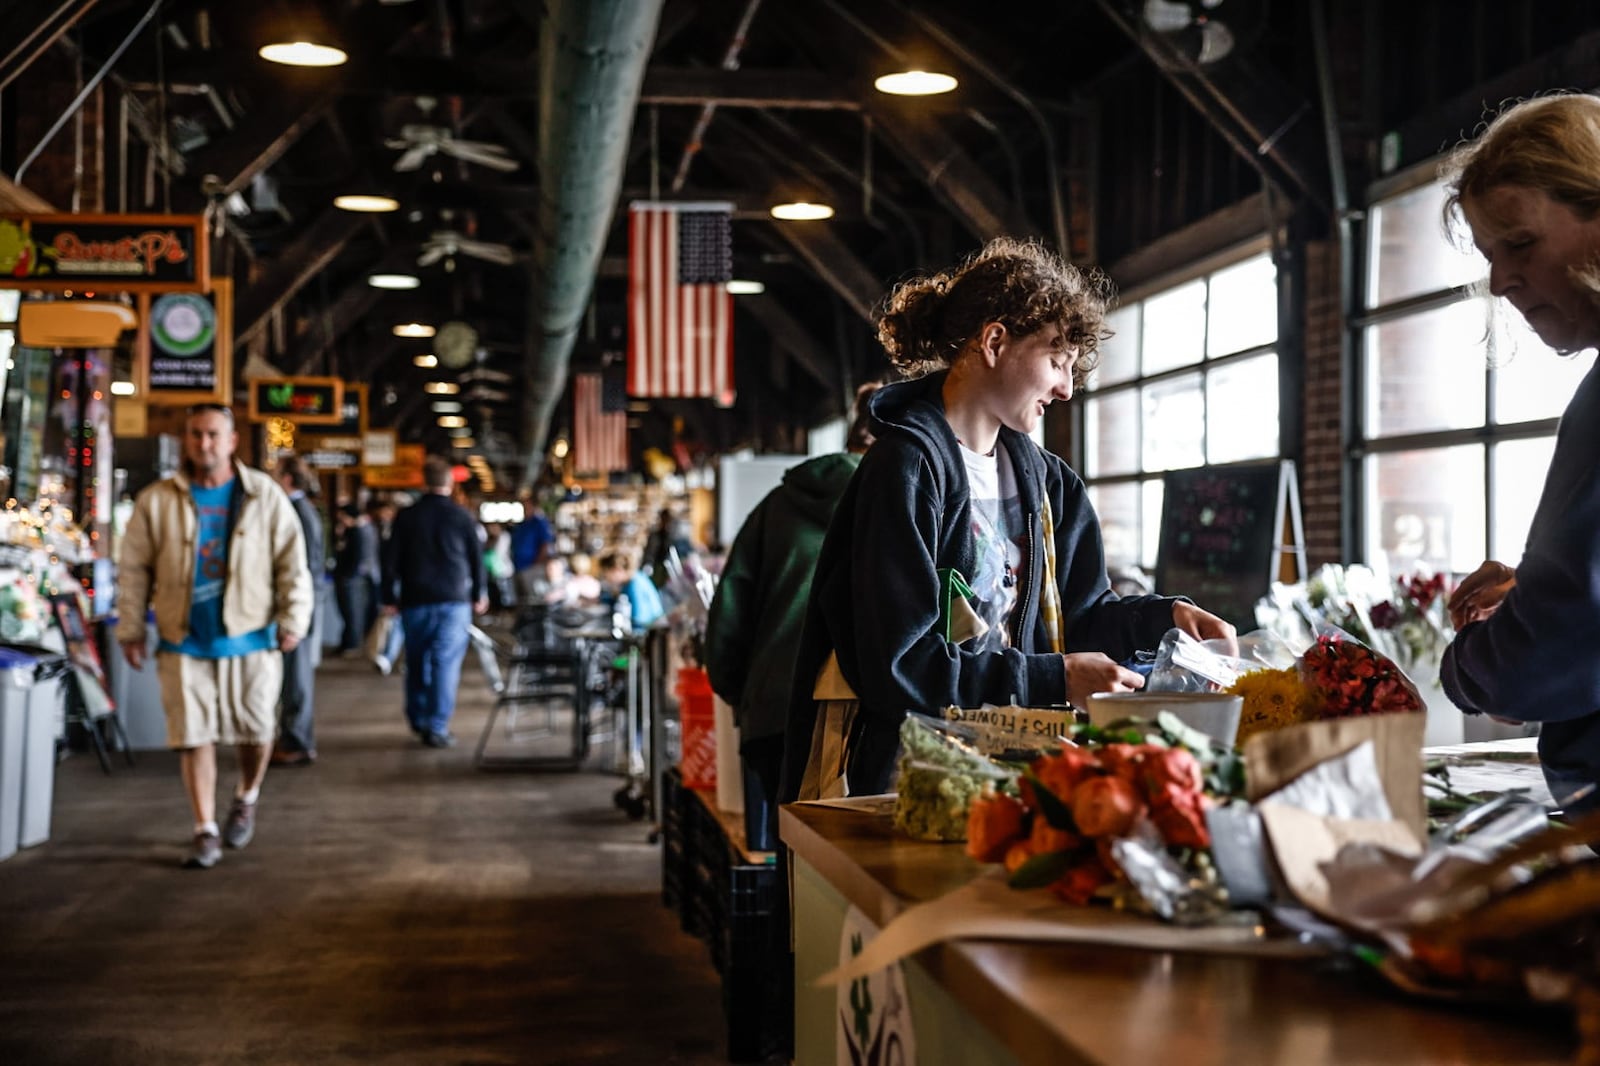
1174, 328
1150, 517
1242, 410
1426, 507
1426, 372
1119, 356
1409, 251
1243, 306
1111, 433
1519, 469
1174, 423
1530, 380
1118, 507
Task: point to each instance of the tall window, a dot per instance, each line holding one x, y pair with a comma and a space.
1189, 379
1459, 401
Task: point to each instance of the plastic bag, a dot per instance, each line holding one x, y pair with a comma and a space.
1184, 664
941, 771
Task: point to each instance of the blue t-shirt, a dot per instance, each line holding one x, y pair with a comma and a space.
206, 639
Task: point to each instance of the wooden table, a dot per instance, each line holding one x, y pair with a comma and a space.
1055, 1005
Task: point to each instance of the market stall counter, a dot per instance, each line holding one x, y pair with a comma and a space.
1002, 1002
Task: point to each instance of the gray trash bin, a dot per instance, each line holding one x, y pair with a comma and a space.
30, 696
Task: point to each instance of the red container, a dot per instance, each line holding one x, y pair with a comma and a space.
697, 717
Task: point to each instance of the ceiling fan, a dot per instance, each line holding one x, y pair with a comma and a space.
421, 141
1192, 27
446, 244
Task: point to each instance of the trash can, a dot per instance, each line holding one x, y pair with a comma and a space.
30, 697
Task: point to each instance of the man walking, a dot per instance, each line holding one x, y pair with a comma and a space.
219, 554
355, 577
433, 574
296, 738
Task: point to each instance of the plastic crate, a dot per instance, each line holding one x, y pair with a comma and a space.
672, 840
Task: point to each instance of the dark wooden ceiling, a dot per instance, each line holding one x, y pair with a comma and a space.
1075, 121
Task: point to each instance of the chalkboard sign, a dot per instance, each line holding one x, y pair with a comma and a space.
1222, 535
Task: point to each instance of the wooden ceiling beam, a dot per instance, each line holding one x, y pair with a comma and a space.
788, 334
29, 27
303, 259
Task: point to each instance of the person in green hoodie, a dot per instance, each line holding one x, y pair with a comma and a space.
754, 626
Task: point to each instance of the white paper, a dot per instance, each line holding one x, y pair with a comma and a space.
1349, 788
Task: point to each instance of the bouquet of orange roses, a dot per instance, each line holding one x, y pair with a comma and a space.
1118, 812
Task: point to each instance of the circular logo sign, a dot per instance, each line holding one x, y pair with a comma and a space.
182, 323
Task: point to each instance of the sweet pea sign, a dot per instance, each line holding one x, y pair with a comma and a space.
117, 253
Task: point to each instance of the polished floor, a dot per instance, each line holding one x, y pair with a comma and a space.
397, 906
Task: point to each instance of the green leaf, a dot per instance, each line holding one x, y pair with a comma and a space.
1183, 732
1042, 870
1055, 811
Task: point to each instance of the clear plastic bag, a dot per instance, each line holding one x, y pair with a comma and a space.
941, 771
1184, 664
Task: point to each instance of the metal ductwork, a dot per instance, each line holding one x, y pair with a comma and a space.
592, 57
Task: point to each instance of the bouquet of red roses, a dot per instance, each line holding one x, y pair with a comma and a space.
1347, 679
1080, 808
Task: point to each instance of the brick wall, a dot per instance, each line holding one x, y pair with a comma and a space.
1321, 471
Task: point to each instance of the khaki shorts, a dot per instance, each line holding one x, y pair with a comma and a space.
220, 701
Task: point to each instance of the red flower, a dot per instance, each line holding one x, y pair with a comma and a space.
1181, 818
994, 822
1046, 838
1171, 766
1078, 885
1105, 806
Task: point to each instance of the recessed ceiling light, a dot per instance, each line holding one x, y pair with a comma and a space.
413, 329
801, 211
745, 287
303, 54
427, 360
393, 281
364, 202
442, 388
915, 83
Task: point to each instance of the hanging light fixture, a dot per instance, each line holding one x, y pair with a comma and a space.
915, 83
302, 38
441, 388
745, 287
427, 360
801, 211
369, 203
413, 329
393, 281
452, 421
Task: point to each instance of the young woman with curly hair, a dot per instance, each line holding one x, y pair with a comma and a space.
956, 493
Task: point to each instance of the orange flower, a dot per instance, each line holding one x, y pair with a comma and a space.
994, 822
1078, 885
1105, 806
1181, 818
1062, 773
1171, 766
1047, 838
1017, 854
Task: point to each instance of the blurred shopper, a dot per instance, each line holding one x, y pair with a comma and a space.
531, 543
620, 579
753, 630
382, 510
296, 726
219, 554
433, 575
497, 565
1529, 191
964, 564
583, 588
356, 571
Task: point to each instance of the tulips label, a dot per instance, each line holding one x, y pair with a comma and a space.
1003, 728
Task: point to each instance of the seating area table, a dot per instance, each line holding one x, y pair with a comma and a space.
1000, 1002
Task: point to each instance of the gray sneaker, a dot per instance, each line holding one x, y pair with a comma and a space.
240, 827
205, 854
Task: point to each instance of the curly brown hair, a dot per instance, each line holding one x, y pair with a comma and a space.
927, 320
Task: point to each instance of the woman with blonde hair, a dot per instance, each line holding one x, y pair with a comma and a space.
964, 564
1529, 192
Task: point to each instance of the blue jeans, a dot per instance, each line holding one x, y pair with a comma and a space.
436, 642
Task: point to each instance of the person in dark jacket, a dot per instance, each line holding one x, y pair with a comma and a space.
296, 744
433, 576
753, 629
931, 588
1524, 651
356, 572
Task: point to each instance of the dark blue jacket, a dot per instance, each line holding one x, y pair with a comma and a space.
1537, 658
905, 516
433, 555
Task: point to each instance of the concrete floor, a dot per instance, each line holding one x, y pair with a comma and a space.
397, 906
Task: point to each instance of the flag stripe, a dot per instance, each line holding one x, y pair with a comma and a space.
680, 316
599, 439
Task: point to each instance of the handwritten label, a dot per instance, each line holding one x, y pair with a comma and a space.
1005, 728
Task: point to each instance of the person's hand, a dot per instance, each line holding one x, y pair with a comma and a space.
1203, 625
133, 652
1089, 672
390, 610
287, 641
481, 605
1479, 595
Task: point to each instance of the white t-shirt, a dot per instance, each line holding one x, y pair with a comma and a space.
998, 531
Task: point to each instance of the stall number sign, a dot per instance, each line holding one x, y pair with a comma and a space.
183, 340
309, 401
123, 252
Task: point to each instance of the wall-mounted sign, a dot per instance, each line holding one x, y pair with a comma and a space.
377, 447
330, 452
304, 401
120, 253
353, 411
404, 473
185, 350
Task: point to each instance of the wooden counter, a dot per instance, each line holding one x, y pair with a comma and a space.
1061, 1004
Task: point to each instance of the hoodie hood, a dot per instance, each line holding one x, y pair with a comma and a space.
814, 487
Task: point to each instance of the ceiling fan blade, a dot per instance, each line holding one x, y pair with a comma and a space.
396, 142
430, 255
1216, 41
1165, 16
413, 157
487, 147
498, 253
493, 162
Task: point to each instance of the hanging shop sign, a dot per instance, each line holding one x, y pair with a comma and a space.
331, 451
304, 401
121, 253
404, 473
377, 447
185, 349
352, 412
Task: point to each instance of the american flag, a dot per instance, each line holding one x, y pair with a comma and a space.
599, 438
680, 316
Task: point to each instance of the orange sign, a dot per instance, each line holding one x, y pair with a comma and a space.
404, 473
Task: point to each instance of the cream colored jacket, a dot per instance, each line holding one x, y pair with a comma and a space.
267, 581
